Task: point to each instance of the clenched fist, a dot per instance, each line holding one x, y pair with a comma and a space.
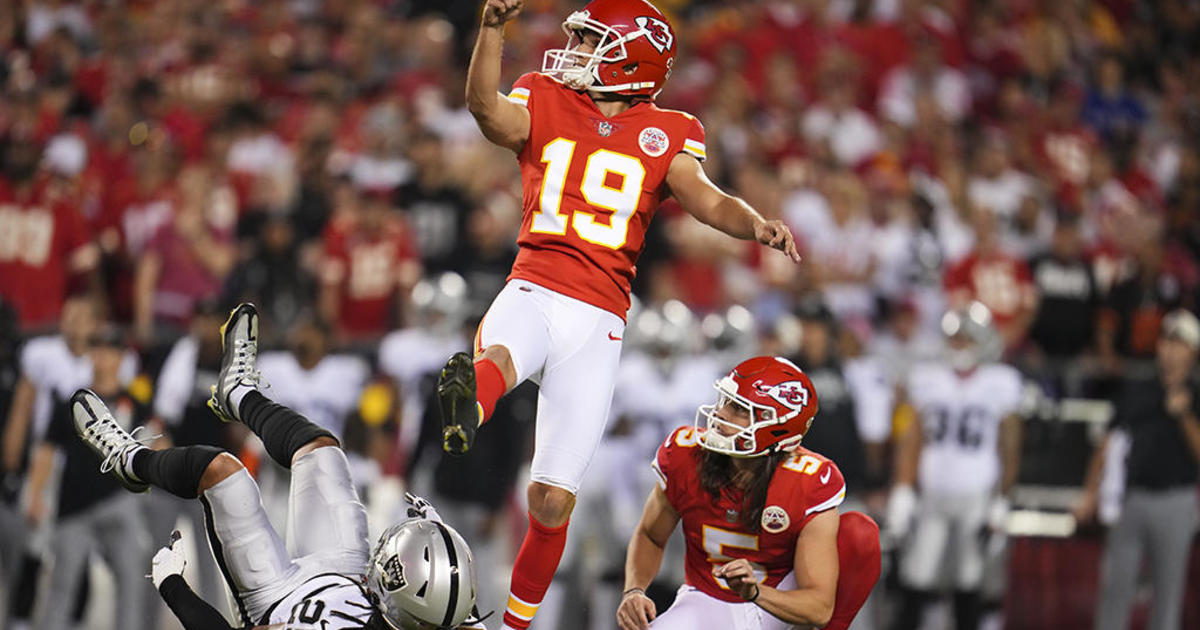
498, 12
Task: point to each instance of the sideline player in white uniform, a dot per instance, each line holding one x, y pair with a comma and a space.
326, 576
320, 386
955, 466
597, 158
412, 354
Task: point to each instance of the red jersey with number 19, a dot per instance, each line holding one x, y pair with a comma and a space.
803, 486
591, 186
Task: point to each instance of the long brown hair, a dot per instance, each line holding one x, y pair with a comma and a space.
718, 476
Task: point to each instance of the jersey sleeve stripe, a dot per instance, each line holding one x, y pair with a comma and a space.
662, 478
520, 96
695, 149
832, 502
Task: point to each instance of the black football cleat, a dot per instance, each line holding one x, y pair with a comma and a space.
456, 401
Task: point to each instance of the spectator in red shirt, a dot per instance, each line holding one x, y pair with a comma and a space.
370, 264
43, 241
187, 258
1000, 281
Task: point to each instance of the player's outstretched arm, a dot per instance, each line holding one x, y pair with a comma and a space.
816, 569
166, 571
643, 560
502, 121
702, 199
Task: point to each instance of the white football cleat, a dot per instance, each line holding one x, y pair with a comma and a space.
239, 340
98, 429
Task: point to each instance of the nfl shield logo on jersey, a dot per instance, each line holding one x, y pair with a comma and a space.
654, 141
775, 519
604, 128
393, 574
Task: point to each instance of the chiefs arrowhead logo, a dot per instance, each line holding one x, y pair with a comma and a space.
657, 31
791, 394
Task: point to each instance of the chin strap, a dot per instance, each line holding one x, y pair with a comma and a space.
474, 619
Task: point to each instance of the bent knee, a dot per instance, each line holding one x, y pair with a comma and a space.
221, 467
500, 356
316, 443
550, 505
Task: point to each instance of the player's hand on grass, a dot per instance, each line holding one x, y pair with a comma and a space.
636, 610
739, 575
499, 12
776, 235
168, 561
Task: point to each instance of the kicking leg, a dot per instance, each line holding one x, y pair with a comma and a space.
511, 345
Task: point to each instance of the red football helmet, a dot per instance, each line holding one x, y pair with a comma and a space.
780, 398
633, 57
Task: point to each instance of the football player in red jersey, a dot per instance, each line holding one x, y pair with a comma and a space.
759, 512
597, 157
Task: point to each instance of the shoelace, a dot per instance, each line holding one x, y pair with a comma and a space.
110, 436
244, 352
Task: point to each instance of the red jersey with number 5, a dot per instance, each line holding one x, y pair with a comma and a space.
803, 486
591, 186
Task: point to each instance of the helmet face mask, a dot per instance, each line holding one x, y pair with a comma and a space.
579, 69
776, 398
633, 56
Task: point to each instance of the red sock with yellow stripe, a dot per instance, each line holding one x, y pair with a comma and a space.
489, 387
533, 571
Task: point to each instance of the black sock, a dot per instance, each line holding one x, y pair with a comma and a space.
82, 595
24, 596
177, 470
912, 608
282, 431
968, 608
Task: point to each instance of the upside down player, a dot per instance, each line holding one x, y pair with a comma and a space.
420, 575
597, 157
760, 516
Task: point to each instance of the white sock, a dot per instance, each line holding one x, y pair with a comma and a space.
129, 463
235, 398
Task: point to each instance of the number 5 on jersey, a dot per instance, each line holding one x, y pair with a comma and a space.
622, 201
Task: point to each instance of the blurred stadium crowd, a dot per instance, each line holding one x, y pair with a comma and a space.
165, 160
